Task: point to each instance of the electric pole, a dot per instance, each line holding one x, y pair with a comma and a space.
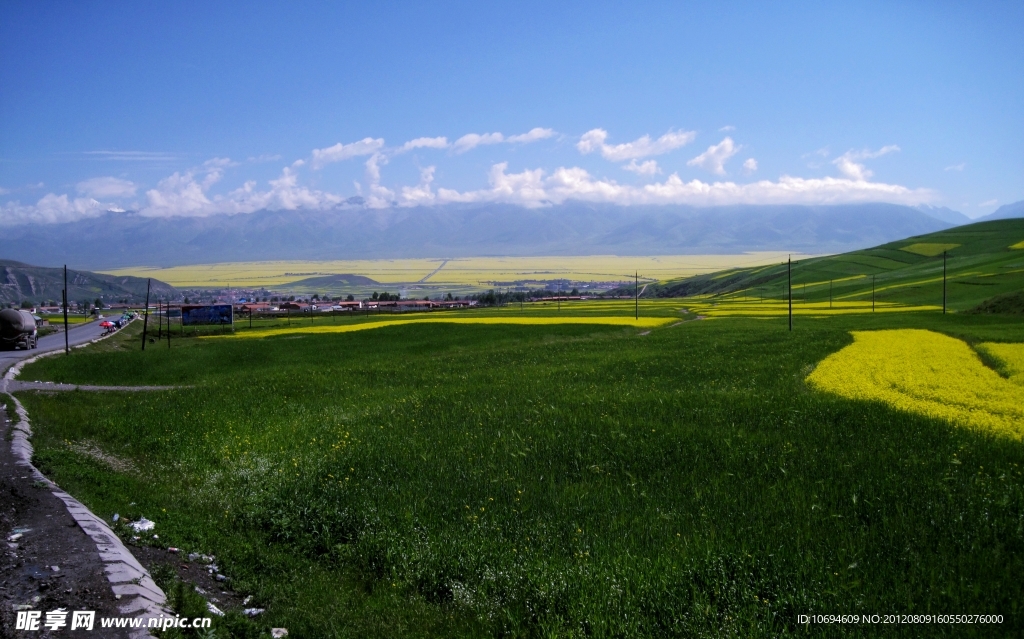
789, 286
145, 318
636, 293
67, 348
943, 282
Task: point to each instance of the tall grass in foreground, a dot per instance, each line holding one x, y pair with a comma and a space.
549, 481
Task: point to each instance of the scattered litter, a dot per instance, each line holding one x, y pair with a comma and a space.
36, 599
220, 577
22, 607
212, 568
214, 609
21, 530
252, 612
55, 568
13, 546
193, 556
116, 517
173, 549
136, 538
200, 590
277, 633
245, 602
156, 536
15, 537
142, 525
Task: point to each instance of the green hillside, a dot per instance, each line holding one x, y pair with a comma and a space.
983, 261
21, 282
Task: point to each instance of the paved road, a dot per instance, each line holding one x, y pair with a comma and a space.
77, 335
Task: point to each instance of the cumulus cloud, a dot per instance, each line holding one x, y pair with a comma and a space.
650, 167
473, 140
339, 152
534, 134
106, 187
749, 166
534, 188
715, 157
851, 163
424, 143
594, 140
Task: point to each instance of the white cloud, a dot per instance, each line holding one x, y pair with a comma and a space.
50, 209
378, 196
850, 164
132, 156
421, 194
423, 143
989, 203
265, 157
594, 140
956, 167
650, 167
106, 187
534, 134
4, 191
749, 166
534, 188
727, 128
339, 152
716, 156
472, 140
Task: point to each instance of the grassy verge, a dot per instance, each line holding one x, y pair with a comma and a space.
558, 480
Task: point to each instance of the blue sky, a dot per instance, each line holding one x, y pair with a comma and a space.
203, 108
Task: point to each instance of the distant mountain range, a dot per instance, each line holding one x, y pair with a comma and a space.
1006, 211
128, 239
39, 284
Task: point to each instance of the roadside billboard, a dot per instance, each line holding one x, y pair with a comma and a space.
214, 314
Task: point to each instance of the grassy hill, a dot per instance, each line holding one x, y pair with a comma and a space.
983, 261
37, 284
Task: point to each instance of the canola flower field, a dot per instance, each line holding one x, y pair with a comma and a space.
928, 373
570, 479
474, 271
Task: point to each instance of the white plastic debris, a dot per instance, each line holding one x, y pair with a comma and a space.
116, 517
55, 568
252, 612
214, 609
245, 602
142, 525
220, 577
15, 537
277, 633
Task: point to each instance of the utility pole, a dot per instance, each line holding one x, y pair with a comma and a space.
159, 321
145, 318
167, 310
789, 285
67, 348
872, 293
636, 292
943, 282
830, 293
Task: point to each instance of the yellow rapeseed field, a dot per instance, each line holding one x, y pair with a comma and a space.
473, 271
1011, 356
928, 249
643, 322
753, 307
927, 373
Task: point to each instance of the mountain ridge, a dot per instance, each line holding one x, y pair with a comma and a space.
127, 239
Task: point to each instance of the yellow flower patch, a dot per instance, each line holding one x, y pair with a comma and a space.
928, 249
926, 373
643, 322
1010, 355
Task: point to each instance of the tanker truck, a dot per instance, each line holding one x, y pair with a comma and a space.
17, 330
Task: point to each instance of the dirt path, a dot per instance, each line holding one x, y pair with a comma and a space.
49, 537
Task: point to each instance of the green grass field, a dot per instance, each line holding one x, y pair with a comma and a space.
549, 480
983, 260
